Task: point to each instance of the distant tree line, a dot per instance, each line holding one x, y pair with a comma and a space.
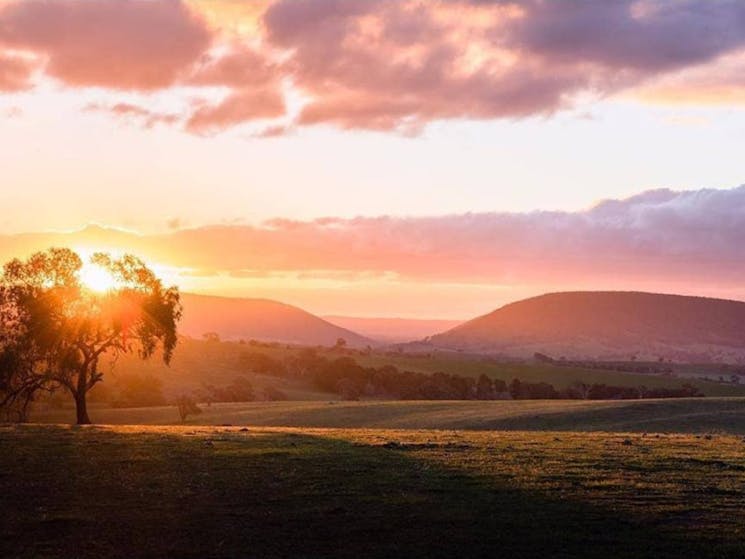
345, 377
631, 366
240, 389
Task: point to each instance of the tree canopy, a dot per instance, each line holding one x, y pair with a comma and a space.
55, 329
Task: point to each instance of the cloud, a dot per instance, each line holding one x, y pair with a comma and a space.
130, 112
386, 65
718, 83
127, 44
395, 65
255, 89
661, 236
392, 65
645, 36
15, 73
245, 105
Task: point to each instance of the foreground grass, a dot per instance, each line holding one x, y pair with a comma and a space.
694, 415
227, 492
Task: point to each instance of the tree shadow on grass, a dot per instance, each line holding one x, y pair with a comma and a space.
98, 493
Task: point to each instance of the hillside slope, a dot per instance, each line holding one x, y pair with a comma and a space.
608, 325
260, 319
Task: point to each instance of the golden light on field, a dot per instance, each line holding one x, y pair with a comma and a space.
97, 278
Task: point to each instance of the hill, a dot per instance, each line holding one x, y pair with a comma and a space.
260, 319
608, 325
393, 330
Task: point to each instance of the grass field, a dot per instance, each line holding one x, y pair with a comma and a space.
225, 492
320, 478
695, 415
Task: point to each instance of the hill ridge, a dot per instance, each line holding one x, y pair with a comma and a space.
608, 324
261, 319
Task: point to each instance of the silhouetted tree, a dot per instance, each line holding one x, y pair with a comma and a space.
186, 407
57, 330
341, 343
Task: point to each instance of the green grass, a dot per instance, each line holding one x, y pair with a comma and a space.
694, 415
222, 492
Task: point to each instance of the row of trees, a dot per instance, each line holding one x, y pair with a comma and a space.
240, 389
347, 378
56, 329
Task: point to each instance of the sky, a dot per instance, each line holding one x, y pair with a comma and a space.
376, 158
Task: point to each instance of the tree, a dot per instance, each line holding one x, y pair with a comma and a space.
56, 329
22, 369
186, 407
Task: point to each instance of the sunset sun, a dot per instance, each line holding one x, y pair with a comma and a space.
97, 278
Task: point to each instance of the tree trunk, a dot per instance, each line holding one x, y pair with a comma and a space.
81, 405
81, 409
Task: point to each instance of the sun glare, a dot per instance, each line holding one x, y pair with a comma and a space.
97, 278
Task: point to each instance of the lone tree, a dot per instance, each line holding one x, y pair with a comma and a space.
59, 317
186, 407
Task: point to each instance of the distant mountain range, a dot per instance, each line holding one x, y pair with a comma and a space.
607, 325
393, 330
260, 319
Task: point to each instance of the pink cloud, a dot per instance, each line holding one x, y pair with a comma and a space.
240, 67
388, 65
15, 73
127, 44
255, 87
392, 65
130, 112
245, 105
664, 237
